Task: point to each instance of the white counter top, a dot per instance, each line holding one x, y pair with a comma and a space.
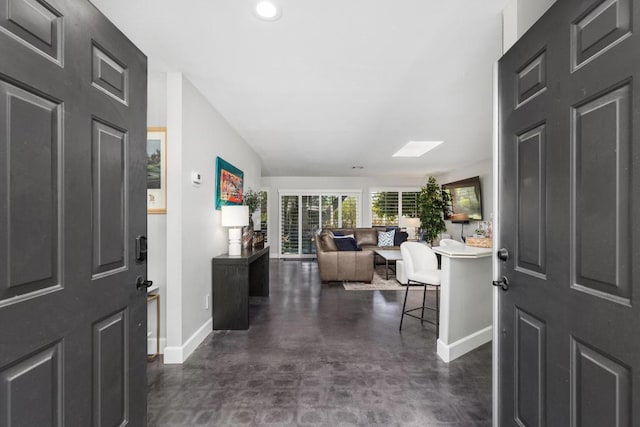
463, 251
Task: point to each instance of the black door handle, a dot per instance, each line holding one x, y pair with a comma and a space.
141, 283
503, 254
504, 283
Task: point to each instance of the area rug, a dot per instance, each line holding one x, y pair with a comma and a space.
379, 283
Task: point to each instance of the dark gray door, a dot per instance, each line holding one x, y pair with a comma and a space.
569, 206
72, 201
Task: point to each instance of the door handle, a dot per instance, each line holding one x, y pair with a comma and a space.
141, 248
503, 254
504, 283
141, 283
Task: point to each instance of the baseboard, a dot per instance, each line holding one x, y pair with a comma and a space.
454, 350
151, 345
178, 355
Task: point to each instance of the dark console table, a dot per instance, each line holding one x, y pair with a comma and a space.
234, 279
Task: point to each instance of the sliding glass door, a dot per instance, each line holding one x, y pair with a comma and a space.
303, 214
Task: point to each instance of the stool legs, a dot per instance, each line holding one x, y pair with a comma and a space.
437, 312
424, 301
405, 312
406, 293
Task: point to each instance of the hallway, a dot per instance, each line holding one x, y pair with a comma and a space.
318, 355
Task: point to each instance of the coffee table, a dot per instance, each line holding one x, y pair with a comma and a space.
387, 255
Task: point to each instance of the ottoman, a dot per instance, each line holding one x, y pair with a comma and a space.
401, 276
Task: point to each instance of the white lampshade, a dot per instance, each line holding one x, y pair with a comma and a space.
234, 216
413, 222
409, 222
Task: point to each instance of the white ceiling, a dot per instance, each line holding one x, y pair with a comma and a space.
334, 83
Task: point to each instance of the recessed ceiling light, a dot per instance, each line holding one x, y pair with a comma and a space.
357, 167
268, 10
416, 148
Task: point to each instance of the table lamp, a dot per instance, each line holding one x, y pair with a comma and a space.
235, 217
411, 224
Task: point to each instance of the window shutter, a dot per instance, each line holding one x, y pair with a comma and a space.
350, 211
264, 214
410, 204
384, 208
289, 216
310, 223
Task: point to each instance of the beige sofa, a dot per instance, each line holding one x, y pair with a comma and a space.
355, 266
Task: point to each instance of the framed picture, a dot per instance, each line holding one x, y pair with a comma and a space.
229, 182
157, 170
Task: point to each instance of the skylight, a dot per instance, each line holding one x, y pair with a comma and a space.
416, 148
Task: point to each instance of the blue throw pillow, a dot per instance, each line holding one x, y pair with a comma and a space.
338, 233
393, 228
347, 244
400, 237
385, 238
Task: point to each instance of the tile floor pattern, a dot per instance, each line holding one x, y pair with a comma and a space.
318, 355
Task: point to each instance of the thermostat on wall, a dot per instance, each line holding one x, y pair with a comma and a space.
196, 178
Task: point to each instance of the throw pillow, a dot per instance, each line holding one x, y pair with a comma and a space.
385, 238
348, 236
338, 233
392, 228
347, 244
400, 237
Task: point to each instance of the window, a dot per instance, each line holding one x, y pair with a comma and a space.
349, 211
409, 206
264, 214
388, 206
384, 208
304, 213
310, 223
289, 242
330, 212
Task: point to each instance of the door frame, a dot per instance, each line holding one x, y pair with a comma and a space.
496, 240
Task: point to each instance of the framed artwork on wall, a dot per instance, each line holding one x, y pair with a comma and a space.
157, 170
229, 182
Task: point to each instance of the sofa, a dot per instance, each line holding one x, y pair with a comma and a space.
354, 265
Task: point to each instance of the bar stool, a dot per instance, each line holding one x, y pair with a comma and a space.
421, 266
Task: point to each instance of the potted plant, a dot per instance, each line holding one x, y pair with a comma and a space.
250, 199
431, 204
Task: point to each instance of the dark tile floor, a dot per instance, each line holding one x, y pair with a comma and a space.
317, 355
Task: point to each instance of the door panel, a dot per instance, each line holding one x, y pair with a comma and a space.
32, 258
600, 184
109, 74
34, 382
532, 202
72, 201
108, 161
601, 388
110, 369
568, 349
34, 23
530, 365
600, 27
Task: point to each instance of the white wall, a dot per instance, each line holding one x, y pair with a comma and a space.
518, 16
483, 169
363, 184
205, 135
190, 234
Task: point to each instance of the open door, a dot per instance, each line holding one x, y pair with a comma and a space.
569, 350
72, 201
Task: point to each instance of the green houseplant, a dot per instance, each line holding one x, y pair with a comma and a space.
431, 204
251, 199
